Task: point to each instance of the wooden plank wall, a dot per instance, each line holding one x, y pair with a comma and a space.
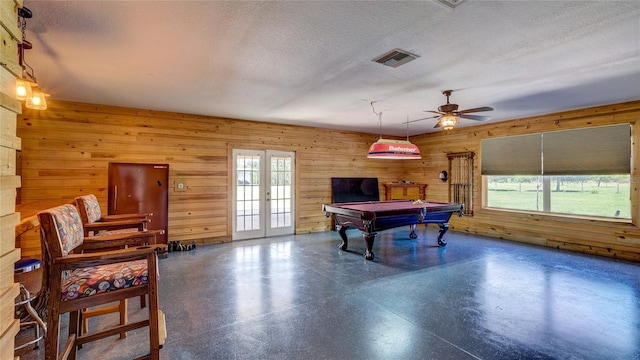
66, 150
607, 238
9, 181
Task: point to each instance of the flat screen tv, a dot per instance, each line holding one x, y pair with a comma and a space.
354, 189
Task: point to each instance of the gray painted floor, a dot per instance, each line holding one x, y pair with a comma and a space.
299, 297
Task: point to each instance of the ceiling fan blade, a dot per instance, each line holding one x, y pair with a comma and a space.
475, 117
430, 117
435, 112
479, 109
438, 125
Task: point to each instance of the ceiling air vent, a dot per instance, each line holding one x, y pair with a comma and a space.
449, 3
395, 58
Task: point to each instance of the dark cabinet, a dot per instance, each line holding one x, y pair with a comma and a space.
140, 188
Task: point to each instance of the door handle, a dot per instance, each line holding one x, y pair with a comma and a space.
115, 197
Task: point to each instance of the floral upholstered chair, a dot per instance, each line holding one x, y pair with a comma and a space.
94, 222
82, 276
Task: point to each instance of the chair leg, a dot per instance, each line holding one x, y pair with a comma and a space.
53, 328
85, 315
74, 329
143, 301
154, 336
124, 317
154, 333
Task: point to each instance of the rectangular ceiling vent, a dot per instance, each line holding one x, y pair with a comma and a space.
395, 58
449, 3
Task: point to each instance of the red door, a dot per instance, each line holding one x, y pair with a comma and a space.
140, 188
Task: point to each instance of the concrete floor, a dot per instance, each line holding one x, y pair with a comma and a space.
299, 297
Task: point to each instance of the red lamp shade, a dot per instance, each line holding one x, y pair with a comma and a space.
393, 149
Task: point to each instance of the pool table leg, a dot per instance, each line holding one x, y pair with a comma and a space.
342, 230
412, 234
368, 240
443, 230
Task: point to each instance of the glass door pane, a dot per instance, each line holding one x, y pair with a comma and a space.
280, 194
249, 200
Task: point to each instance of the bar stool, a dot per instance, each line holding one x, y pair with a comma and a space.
23, 266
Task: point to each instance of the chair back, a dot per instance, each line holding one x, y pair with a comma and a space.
61, 230
89, 208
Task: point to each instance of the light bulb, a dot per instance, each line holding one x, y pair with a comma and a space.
23, 89
37, 100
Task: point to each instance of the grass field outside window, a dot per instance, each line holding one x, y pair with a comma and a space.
602, 196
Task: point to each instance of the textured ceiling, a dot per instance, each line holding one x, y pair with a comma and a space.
309, 63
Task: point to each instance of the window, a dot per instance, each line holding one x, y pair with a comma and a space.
576, 172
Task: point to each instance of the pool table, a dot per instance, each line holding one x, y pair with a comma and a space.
373, 216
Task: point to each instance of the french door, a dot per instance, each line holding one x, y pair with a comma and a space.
263, 193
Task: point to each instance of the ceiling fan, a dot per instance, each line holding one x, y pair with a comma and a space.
448, 114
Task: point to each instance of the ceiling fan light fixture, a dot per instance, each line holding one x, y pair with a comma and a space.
393, 149
449, 114
448, 122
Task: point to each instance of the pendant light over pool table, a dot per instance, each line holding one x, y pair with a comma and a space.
392, 149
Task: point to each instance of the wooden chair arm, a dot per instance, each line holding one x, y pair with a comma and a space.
120, 239
75, 261
119, 217
115, 225
130, 221
26, 224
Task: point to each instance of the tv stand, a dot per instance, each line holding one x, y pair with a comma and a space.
398, 191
